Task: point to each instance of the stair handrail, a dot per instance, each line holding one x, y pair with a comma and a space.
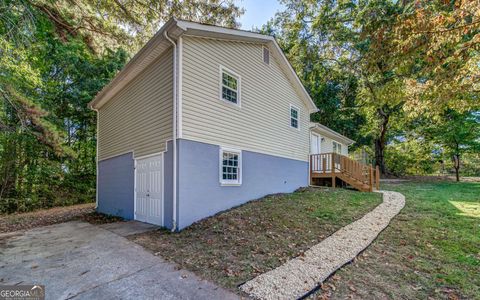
338, 163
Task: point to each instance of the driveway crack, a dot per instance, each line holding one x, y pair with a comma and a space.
116, 279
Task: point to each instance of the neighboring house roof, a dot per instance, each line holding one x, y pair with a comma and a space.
324, 130
175, 28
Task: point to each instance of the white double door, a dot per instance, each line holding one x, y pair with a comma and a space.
149, 190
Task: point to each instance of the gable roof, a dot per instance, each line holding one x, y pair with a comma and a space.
157, 45
322, 129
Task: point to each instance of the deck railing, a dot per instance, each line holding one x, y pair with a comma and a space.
334, 163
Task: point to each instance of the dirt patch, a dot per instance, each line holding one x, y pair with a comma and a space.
43, 217
235, 246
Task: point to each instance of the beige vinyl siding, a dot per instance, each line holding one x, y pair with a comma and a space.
262, 122
327, 145
140, 116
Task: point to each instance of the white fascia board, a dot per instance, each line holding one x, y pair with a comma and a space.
322, 129
242, 35
147, 55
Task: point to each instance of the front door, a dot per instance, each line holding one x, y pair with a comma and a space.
315, 148
149, 190
314, 143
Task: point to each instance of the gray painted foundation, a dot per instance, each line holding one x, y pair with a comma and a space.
116, 186
116, 181
168, 186
200, 193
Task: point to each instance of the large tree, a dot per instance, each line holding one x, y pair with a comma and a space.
409, 57
54, 57
126, 23
456, 134
332, 89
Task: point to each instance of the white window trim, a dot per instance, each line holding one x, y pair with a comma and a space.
220, 167
239, 86
337, 148
290, 117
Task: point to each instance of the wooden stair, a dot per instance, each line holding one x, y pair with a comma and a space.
333, 166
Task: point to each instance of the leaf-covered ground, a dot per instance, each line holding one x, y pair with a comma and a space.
43, 217
235, 246
431, 250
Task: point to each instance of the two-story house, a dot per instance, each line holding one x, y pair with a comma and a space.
202, 119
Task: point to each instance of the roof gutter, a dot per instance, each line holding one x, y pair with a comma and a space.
324, 129
174, 139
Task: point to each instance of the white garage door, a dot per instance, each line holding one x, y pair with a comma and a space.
149, 190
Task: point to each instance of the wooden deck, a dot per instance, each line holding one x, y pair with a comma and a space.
336, 168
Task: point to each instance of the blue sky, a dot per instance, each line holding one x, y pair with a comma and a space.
257, 12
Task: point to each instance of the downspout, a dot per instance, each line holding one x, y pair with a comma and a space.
175, 100
96, 162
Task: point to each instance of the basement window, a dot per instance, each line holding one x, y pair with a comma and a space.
230, 167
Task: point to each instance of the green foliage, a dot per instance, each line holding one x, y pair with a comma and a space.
428, 251
410, 156
455, 134
54, 58
333, 90
376, 68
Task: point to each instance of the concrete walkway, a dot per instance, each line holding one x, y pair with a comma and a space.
127, 228
77, 260
299, 276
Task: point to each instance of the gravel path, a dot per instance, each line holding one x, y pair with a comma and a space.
299, 276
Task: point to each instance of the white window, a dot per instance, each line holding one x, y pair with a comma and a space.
337, 148
230, 167
294, 114
230, 86
266, 55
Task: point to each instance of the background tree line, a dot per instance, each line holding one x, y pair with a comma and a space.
54, 58
399, 77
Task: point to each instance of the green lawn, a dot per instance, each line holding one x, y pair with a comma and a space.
431, 250
237, 245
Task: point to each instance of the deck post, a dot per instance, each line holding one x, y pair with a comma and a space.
333, 163
311, 169
333, 170
370, 183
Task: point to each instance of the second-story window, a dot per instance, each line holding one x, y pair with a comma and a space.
230, 87
294, 117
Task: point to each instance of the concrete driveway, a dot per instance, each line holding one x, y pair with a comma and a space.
77, 260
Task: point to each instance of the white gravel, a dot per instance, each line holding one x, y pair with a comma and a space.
299, 276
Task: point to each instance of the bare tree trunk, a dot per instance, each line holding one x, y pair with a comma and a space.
456, 166
380, 142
